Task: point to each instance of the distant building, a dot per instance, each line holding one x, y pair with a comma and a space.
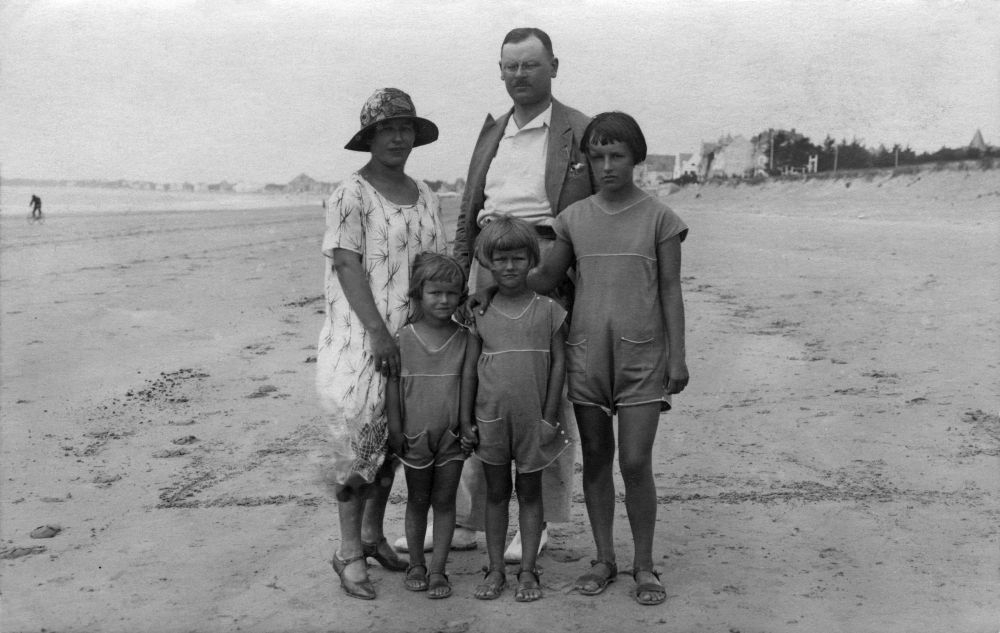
655, 170
978, 143
730, 157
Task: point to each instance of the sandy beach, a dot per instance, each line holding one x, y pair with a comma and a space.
833, 465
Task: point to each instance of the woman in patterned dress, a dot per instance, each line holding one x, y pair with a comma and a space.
378, 220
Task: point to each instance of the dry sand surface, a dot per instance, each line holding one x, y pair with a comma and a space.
833, 465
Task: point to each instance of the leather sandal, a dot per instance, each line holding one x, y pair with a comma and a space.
384, 554
487, 590
523, 587
655, 589
597, 580
416, 580
438, 585
364, 589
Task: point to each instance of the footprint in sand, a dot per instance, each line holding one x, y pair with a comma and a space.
45, 531
18, 552
170, 452
262, 391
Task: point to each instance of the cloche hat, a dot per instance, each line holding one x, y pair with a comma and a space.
386, 104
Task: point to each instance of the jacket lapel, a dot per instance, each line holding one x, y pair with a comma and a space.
558, 155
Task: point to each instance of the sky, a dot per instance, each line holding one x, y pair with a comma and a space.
261, 91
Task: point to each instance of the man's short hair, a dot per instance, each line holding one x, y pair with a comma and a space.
523, 33
615, 127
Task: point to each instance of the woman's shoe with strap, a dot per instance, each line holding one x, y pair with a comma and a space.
363, 589
381, 551
596, 580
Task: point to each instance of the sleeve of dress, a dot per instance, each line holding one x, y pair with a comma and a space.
670, 225
345, 219
557, 316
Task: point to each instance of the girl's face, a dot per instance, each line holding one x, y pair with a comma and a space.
393, 141
612, 164
440, 299
510, 268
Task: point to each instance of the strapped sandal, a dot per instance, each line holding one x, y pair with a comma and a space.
381, 551
439, 585
415, 581
595, 579
656, 589
364, 589
523, 587
487, 590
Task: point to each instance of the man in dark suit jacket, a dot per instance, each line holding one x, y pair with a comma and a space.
527, 164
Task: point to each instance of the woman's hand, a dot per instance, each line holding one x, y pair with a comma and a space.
384, 352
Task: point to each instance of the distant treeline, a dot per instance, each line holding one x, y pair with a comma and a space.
792, 150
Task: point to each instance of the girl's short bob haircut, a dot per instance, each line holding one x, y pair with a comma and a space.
428, 266
615, 127
506, 233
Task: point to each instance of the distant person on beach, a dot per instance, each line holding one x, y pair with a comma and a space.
429, 407
36, 208
376, 223
526, 163
625, 351
521, 373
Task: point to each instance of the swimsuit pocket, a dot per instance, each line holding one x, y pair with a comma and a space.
491, 432
638, 357
576, 356
417, 447
548, 432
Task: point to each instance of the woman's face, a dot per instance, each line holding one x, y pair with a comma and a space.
392, 142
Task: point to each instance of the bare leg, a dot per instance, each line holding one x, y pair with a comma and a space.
446, 480
597, 443
350, 513
530, 505
531, 509
443, 492
377, 498
498, 490
636, 433
419, 482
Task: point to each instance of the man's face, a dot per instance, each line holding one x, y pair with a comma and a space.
527, 70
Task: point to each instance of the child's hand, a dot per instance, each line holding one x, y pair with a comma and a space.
677, 377
470, 439
396, 444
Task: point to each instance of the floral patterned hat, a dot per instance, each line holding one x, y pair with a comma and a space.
391, 103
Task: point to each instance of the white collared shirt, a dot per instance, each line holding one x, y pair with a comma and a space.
515, 182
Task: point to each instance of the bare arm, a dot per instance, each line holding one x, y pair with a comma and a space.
394, 414
347, 264
668, 254
467, 402
557, 375
544, 278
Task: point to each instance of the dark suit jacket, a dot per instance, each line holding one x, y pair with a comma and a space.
567, 172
